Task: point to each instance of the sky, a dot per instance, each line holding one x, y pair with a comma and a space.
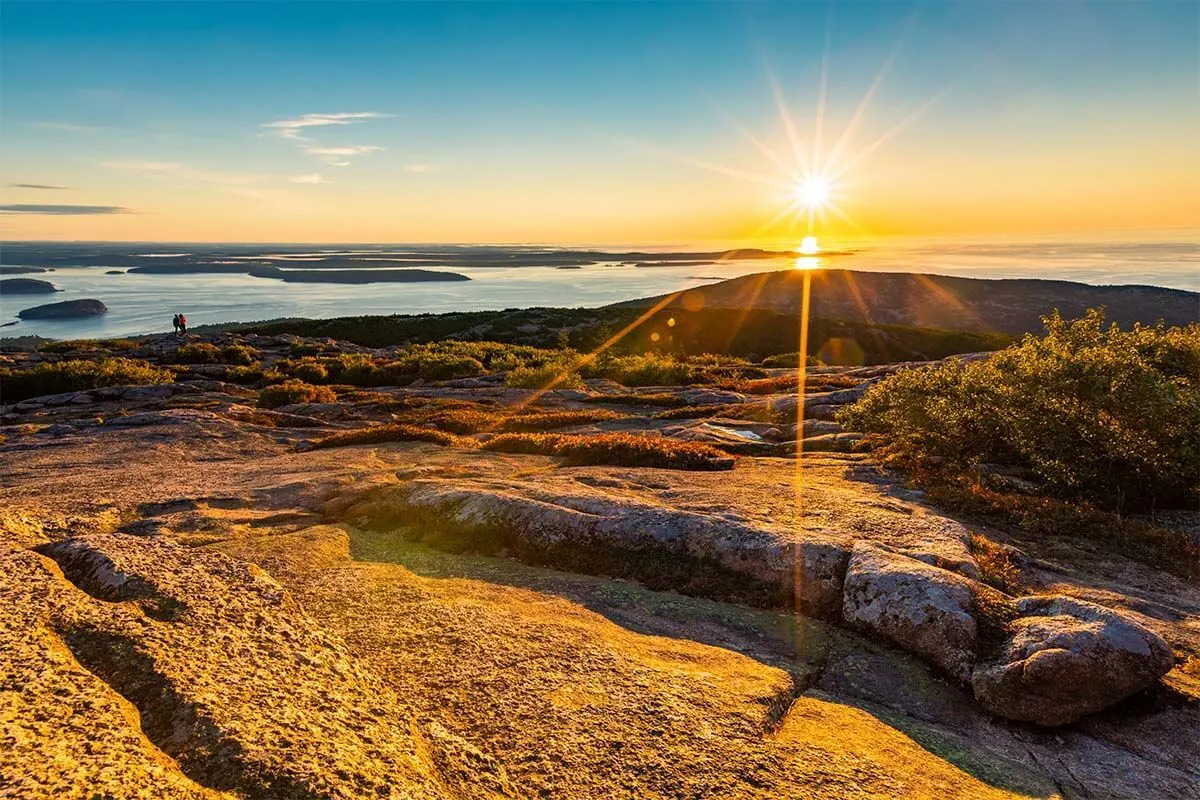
596, 123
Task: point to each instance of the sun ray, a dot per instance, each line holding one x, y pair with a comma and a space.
758, 144
789, 126
695, 162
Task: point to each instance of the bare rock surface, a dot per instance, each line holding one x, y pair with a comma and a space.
194, 607
927, 610
1065, 658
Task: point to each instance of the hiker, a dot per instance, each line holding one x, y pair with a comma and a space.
175, 324
182, 325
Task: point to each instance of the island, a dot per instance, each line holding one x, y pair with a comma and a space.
68, 309
26, 286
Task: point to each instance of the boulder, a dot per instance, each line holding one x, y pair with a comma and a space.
1065, 658
26, 286
67, 309
921, 608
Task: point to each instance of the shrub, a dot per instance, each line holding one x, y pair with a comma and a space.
648, 369
547, 376
433, 366
195, 353
996, 565
790, 360
74, 376
1095, 413
617, 449
309, 370
245, 374
238, 354
392, 433
294, 391
69, 346
356, 369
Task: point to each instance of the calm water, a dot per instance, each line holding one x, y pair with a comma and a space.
141, 303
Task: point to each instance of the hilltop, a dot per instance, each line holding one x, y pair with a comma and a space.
1012, 306
244, 565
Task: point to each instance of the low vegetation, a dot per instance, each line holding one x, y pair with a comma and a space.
663, 399
83, 345
1094, 413
78, 375
752, 335
617, 449
293, 391
205, 353
1101, 421
382, 434
549, 375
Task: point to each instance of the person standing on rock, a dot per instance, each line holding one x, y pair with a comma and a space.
182, 325
175, 324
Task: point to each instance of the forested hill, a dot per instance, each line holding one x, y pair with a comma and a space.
1013, 306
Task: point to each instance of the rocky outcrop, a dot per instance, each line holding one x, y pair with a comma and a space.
235, 688
924, 609
67, 309
26, 286
1065, 658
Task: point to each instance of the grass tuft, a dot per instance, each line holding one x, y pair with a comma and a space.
616, 449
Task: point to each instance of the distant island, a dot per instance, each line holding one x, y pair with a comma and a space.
68, 309
26, 286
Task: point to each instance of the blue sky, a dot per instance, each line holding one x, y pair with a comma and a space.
592, 121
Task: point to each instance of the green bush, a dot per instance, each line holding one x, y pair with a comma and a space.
1095, 413
552, 375
70, 346
648, 369
205, 353
294, 391
252, 373
74, 376
238, 354
309, 370
617, 449
195, 353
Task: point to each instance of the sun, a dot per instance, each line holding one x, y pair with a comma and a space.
809, 246
813, 193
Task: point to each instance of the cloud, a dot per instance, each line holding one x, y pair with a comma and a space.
418, 168
61, 210
340, 156
159, 169
68, 127
313, 178
293, 128
46, 186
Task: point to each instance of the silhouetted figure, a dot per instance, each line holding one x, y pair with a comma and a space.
182, 325
175, 324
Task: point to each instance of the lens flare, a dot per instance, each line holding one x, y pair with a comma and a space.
813, 193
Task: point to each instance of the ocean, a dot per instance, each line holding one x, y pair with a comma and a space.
145, 303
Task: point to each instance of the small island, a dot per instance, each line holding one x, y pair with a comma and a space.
68, 309
26, 286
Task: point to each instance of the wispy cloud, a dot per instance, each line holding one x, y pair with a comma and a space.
293, 128
46, 186
418, 168
160, 169
296, 129
61, 210
340, 156
313, 178
67, 127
